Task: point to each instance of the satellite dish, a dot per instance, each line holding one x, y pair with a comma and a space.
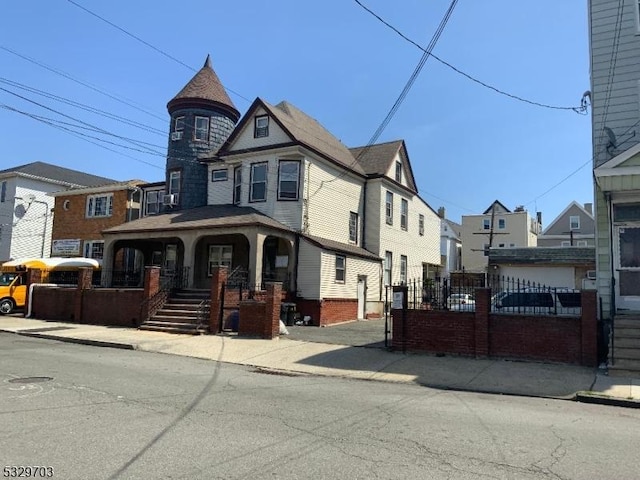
29, 198
613, 143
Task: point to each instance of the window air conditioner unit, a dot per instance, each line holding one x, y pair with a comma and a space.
176, 136
169, 200
591, 274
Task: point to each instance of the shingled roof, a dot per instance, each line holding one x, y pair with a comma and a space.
64, 176
204, 89
209, 216
584, 256
377, 159
335, 246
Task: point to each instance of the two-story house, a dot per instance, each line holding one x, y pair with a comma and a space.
496, 227
614, 36
276, 197
26, 209
573, 227
81, 214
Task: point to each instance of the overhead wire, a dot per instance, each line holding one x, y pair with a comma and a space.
580, 109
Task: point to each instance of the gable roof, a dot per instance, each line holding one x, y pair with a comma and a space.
564, 212
48, 172
209, 216
496, 203
303, 130
106, 188
377, 159
204, 89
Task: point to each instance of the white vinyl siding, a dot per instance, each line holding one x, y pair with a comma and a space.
349, 288
22, 236
308, 281
246, 137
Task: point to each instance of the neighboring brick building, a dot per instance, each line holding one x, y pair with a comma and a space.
82, 214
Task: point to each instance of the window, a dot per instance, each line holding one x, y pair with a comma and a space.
389, 208
3, 192
565, 243
502, 223
174, 184
261, 126
574, 222
486, 224
404, 214
403, 269
341, 263
388, 261
582, 243
201, 130
258, 190
398, 172
152, 203
288, 178
353, 227
220, 255
219, 175
178, 124
237, 184
94, 249
100, 205
421, 225
512, 245
501, 245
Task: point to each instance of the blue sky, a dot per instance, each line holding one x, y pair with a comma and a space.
468, 145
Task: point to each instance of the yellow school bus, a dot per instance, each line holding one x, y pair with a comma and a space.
13, 277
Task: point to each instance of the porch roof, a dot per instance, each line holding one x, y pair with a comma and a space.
348, 249
209, 216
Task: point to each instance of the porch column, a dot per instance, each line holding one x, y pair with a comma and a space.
256, 244
107, 262
188, 262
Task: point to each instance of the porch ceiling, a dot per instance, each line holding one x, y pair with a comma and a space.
210, 216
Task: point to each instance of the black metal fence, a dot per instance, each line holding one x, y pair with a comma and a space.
508, 295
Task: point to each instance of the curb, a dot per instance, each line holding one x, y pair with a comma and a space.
82, 341
594, 398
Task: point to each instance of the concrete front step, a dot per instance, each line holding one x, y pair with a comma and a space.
620, 353
164, 317
626, 342
166, 310
171, 329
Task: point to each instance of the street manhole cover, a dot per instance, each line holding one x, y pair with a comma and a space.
30, 379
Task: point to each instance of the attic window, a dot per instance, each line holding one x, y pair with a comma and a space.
261, 128
398, 172
574, 222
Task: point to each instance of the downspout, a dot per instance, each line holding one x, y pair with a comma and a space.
364, 217
612, 302
296, 256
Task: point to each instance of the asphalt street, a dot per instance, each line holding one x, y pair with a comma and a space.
97, 413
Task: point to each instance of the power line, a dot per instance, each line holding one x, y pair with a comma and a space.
122, 100
144, 42
581, 110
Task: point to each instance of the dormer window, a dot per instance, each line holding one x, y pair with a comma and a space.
201, 130
398, 172
178, 124
261, 128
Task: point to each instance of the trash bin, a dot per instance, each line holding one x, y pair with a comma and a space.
287, 313
234, 320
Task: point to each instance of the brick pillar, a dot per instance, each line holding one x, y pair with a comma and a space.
218, 280
151, 287
33, 275
589, 328
399, 308
85, 277
271, 323
481, 321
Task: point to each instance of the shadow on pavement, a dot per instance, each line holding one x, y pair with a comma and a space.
365, 333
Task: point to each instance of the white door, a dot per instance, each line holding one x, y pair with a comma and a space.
627, 267
362, 296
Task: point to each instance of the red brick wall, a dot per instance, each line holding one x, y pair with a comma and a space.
251, 318
310, 308
52, 303
546, 338
108, 306
73, 223
328, 311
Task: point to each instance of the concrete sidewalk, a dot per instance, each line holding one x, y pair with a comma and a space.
310, 358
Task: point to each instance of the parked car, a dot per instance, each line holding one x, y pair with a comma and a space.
545, 301
461, 302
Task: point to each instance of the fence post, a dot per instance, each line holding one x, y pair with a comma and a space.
399, 306
85, 277
151, 287
481, 321
589, 328
218, 280
273, 302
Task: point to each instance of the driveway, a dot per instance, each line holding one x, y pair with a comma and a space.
364, 333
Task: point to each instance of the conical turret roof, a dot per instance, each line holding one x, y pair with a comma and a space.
204, 90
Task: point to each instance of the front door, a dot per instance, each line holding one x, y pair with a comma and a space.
362, 296
627, 267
